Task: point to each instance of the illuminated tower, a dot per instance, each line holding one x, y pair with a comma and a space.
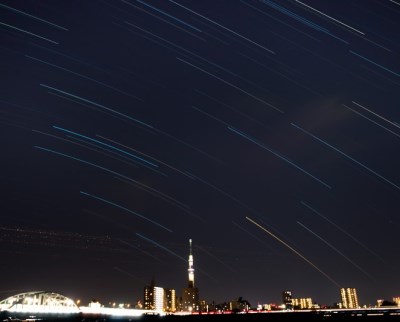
190, 269
349, 298
190, 296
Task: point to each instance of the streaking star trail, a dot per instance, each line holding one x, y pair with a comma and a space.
126, 209
294, 251
336, 250
343, 231
277, 155
347, 156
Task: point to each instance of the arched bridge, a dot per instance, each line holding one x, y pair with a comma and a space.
39, 301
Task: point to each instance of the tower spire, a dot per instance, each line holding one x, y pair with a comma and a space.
190, 269
190, 296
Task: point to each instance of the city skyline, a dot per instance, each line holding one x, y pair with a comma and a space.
165, 299
55, 306
347, 297
266, 131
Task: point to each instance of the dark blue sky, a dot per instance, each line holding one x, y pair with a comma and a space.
266, 131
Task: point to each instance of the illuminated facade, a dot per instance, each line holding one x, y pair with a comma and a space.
303, 303
153, 297
287, 299
158, 303
190, 296
170, 300
148, 298
159, 299
349, 298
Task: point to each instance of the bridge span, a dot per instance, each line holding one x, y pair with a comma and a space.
38, 303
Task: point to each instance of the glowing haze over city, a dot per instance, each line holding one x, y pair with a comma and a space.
266, 132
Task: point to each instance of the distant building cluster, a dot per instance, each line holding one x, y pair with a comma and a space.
166, 299
290, 303
304, 303
158, 298
348, 296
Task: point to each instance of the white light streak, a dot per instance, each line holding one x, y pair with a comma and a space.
381, 117
295, 251
325, 15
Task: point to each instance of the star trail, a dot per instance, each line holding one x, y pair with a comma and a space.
266, 131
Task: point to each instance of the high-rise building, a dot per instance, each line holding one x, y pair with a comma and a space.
287, 299
190, 295
158, 298
153, 297
149, 296
170, 300
349, 298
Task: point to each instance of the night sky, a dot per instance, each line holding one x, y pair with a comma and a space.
266, 131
